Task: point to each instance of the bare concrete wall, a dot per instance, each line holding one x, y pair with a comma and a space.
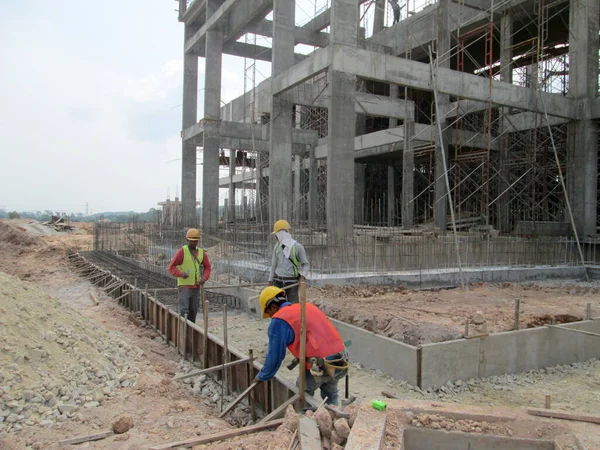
508, 352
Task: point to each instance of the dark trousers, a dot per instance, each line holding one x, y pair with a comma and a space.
291, 293
326, 384
188, 302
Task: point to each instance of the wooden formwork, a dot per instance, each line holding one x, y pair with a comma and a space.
189, 337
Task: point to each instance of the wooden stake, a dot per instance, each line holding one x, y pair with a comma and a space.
553, 414
122, 296
588, 311
218, 436
87, 438
302, 365
146, 308
281, 408
205, 340
466, 328
517, 313
293, 439
196, 373
185, 332
225, 350
234, 403
115, 288
250, 378
548, 401
94, 299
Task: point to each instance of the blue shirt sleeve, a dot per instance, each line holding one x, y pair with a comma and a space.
280, 336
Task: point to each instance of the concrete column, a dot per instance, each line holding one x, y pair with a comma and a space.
359, 192
408, 174
506, 74
297, 213
231, 214
379, 19
280, 156
212, 116
443, 48
583, 134
391, 200
312, 186
341, 127
188, 149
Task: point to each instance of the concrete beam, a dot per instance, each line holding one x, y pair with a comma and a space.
316, 63
404, 72
240, 130
301, 35
195, 12
232, 17
257, 52
462, 107
379, 140
529, 121
323, 20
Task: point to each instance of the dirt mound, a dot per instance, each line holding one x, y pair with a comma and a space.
53, 360
14, 236
547, 319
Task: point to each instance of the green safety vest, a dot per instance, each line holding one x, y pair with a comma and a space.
191, 266
293, 258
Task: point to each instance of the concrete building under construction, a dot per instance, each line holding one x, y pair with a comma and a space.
477, 115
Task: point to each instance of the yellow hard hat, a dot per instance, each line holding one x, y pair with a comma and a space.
281, 225
193, 234
268, 294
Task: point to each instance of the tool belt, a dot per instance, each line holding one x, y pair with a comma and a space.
329, 365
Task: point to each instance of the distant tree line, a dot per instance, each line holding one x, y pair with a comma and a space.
46, 216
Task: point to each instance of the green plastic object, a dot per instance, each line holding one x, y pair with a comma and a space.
379, 405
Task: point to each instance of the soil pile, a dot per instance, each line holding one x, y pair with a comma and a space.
53, 361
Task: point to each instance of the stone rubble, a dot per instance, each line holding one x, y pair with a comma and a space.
53, 360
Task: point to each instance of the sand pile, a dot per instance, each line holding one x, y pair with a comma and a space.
12, 236
54, 361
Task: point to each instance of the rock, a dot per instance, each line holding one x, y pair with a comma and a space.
28, 395
50, 336
478, 319
12, 418
291, 419
336, 447
123, 425
324, 422
67, 408
98, 396
326, 443
335, 438
91, 405
47, 423
122, 437
215, 398
342, 428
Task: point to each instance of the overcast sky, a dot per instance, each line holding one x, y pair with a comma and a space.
90, 108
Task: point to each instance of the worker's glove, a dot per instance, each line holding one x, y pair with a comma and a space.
257, 380
184, 275
201, 282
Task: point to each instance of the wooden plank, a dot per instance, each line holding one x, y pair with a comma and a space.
554, 414
368, 431
234, 403
86, 438
309, 436
280, 409
219, 436
195, 373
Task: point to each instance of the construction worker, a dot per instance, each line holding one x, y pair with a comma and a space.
289, 263
191, 267
326, 356
396, 8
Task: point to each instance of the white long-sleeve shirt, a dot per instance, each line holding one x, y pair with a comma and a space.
283, 267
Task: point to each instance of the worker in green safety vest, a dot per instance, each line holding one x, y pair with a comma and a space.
191, 267
289, 263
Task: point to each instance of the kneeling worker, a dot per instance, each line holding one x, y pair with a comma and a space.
326, 357
191, 267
